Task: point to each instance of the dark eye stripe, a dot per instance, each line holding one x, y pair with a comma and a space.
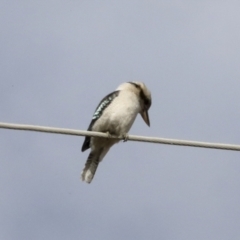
146, 101
135, 84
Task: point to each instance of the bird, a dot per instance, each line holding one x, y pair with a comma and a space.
114, 115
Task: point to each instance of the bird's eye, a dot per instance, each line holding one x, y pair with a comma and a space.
146, 102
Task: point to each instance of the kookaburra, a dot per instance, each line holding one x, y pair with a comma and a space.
114, 115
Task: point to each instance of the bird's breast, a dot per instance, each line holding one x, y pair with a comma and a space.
119, 116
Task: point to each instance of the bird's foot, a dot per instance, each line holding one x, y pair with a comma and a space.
125, 137
109, 135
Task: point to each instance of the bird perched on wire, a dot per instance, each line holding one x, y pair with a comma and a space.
114, 115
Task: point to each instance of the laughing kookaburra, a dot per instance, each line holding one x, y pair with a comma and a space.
114, 115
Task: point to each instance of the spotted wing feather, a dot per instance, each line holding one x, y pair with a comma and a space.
97, 114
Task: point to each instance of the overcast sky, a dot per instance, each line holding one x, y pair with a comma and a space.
58, 59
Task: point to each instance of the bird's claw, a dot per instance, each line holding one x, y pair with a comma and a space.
125, 137
109, 134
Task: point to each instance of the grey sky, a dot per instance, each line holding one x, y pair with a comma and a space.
58, 59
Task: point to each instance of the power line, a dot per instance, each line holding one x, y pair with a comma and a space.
129, 137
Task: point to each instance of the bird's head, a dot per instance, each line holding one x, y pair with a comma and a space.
144, 96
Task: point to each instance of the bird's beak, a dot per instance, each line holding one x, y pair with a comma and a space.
145, 117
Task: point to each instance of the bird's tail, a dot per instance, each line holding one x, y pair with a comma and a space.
90, 167
94, 158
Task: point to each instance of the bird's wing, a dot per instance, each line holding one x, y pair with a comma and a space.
97, 114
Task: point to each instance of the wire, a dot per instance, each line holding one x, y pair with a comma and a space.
128, 137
